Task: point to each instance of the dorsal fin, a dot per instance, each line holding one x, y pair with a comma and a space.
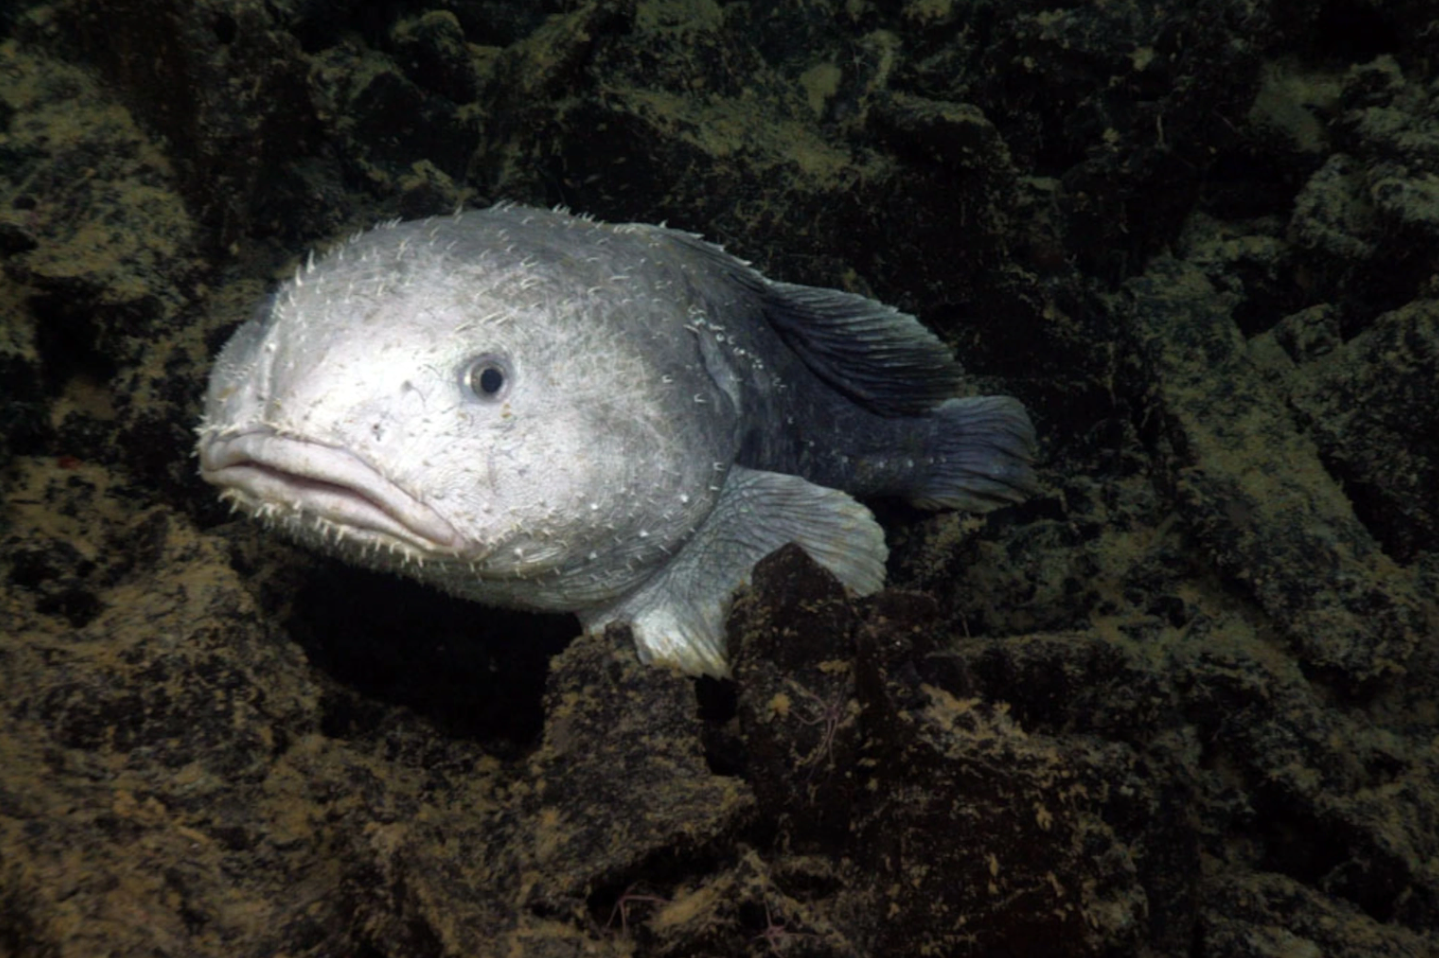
876, 355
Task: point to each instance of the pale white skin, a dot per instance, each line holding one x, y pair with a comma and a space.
346, 418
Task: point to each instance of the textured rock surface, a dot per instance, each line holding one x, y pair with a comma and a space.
1182, 703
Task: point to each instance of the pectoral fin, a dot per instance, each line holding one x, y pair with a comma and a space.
678, 616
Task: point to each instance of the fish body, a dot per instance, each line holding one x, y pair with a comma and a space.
537, 410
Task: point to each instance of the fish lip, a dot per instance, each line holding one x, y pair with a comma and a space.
329, 484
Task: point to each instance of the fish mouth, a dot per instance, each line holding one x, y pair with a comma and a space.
319, 489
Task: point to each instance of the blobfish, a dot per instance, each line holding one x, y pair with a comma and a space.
537, 410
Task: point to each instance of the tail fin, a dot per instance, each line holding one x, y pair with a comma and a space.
981, 455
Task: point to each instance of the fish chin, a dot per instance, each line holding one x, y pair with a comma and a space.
364, 546
327, 497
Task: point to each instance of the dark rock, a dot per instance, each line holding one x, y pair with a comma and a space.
1372, 403
866, 740
1256, 494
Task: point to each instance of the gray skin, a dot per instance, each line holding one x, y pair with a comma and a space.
536, 410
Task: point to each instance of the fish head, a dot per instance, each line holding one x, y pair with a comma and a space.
485, 412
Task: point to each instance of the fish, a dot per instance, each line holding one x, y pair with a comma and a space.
537, 410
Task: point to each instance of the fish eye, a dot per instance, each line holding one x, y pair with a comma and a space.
487, 377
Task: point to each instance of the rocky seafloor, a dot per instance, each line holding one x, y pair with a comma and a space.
1183, 702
